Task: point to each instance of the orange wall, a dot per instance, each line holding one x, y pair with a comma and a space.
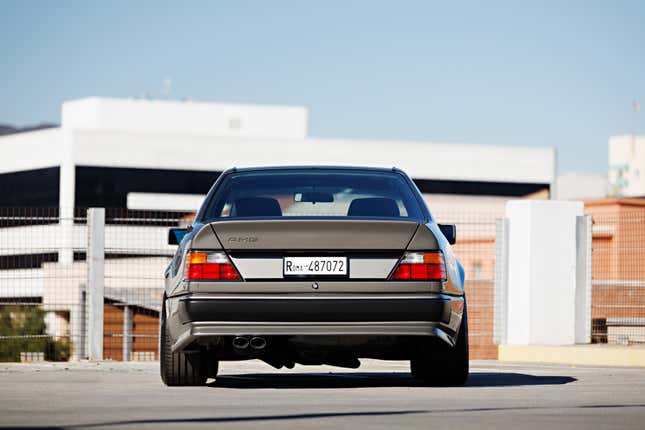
477, 255
618, 258
144, 323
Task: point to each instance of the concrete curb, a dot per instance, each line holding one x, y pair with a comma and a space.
584, 355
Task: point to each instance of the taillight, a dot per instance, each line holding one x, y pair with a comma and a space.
210, 266
420, 266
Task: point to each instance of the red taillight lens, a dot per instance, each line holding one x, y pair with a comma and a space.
404, 271
420, 266
210, 266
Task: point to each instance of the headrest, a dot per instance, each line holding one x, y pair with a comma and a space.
374, 206
256, 206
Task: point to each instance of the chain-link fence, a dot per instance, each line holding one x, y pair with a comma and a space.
44, 281
618, 276
41, 301
475, 249
136, 252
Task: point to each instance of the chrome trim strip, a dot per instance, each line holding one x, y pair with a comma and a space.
314, 324
259, 268
371, 268
313, 296
349, 286
271, 268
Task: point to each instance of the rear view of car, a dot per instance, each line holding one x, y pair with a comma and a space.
314, 265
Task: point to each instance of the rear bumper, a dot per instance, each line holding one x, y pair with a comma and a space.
210, 315
312, 309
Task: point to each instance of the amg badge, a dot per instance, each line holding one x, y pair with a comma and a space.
243, 239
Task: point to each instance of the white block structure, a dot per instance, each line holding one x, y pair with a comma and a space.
627, 165
541, 303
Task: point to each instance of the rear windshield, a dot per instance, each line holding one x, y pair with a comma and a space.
315, 194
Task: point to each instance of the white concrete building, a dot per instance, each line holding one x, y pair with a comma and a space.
627, 166
581, 186
114, 152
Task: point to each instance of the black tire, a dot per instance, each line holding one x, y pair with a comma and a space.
212, 367
439, 364
180, 369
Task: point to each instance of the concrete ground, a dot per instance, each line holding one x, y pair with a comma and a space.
378, 395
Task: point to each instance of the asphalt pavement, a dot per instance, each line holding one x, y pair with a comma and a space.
379, 395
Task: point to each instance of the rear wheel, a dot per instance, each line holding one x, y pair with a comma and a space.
440, 364
182, 369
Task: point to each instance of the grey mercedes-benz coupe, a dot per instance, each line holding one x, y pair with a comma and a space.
314, 265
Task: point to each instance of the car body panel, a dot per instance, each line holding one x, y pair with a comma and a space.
320, 315
255, 267
295, 234
307, 286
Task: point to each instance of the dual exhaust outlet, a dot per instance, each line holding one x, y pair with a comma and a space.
245, 342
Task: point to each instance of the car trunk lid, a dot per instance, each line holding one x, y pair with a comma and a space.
285, 235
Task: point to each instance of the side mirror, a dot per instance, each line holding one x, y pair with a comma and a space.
450, 231
175, 235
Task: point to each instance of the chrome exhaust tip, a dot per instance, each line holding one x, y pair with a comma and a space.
258, 342
240, 342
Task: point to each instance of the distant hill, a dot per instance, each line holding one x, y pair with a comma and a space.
8, 129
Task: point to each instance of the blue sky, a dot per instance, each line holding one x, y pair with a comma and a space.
559, 74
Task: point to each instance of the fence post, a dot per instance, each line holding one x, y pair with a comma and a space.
500, 301
95, 280
77, 325
583, 278
127, 332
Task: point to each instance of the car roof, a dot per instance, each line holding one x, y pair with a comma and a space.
312, 167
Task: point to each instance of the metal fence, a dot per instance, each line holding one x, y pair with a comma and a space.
618, 277
475, 249
41, 313
136, 253
44, 312
44, 283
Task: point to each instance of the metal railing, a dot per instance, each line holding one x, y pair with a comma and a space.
45, 283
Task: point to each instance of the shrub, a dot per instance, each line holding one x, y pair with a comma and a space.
24, 330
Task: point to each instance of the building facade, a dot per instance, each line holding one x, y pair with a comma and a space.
627, 166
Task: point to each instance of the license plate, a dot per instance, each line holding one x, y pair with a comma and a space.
299, 266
